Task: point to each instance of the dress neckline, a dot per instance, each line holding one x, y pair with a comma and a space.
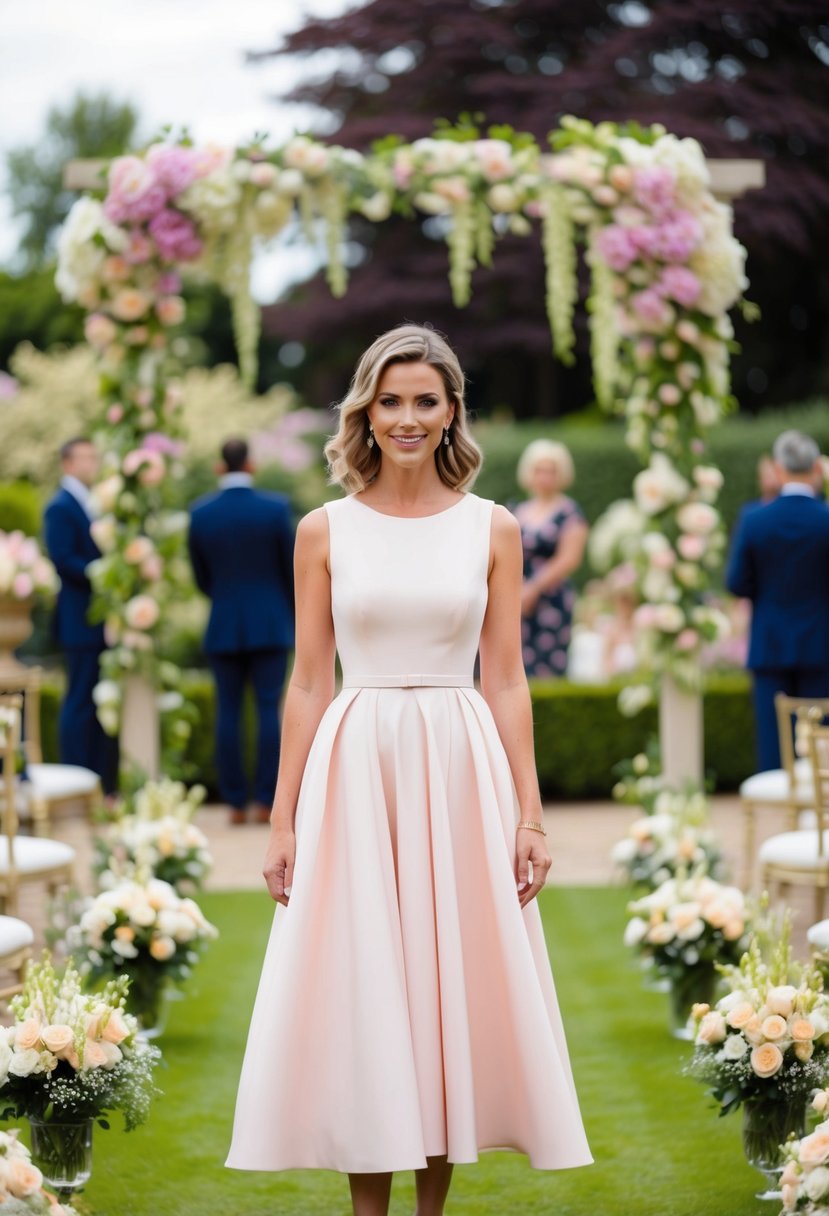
409, 518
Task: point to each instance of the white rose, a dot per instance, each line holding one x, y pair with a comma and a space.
780, 1000
734, 1047
698, 518
816, 1184
24, 1063
635, 931
658, 486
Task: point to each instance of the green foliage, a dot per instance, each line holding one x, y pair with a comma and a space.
86, 127
20, 507
31, 310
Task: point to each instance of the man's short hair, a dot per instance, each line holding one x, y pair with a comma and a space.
235, 454
67, 448
796, 452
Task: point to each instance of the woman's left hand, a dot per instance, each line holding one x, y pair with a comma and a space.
530, 850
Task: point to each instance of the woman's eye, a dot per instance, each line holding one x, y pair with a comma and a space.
429, 401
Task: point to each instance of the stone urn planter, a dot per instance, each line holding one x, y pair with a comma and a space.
15, 629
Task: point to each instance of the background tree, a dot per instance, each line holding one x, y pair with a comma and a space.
95, 126
746, 80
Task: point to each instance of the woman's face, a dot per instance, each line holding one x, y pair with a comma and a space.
409, 412
543, 478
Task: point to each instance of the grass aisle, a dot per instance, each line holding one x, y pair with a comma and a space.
659, 1147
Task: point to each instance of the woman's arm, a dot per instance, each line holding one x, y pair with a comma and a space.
567, 558
504, 687
310, 691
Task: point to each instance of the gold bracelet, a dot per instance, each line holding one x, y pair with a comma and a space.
533, 825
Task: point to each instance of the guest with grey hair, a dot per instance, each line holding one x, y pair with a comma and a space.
780, 561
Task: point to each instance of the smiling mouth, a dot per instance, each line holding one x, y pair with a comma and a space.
408, 441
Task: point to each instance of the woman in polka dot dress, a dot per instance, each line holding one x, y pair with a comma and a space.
554, 534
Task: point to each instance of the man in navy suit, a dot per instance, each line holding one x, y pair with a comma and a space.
780, 561
82, 739
241, 546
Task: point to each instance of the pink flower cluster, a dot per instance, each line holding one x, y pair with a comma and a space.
140, 191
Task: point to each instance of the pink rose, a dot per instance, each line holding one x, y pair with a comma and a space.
687, 640
136, 335
676, 237
152, 568
169, 283
99, 330
174, 167
654, 188
140, 249
141, 612
680, 284
175, 235
134, 192
617, 247
170, 310
130, 304
650, 307
669, 394
22, 586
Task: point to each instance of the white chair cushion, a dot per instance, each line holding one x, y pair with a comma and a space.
796, 849
773, 784
35, 853
818, 935
14, 934
61, 780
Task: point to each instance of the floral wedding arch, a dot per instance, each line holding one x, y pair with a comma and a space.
665, 271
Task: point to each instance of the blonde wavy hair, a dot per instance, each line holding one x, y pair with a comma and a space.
352, 464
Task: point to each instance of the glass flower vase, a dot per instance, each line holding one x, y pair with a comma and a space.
148, 1000
62, 1151
767, 1124
688, 987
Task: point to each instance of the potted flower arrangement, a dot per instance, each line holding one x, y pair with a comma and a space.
675, 836
155, 835
145, 930
21, 1183
24, 572
687, 926
68, 1059
765, 1046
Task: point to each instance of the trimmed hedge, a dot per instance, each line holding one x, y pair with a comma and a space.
20, 507
579, 733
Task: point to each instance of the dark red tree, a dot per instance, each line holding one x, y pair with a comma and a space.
745, 80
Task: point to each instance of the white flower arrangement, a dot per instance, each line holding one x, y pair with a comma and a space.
156, 838
675, 837
71, 1052
688, 921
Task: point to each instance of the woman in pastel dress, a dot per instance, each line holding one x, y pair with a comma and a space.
553, 535
406, 1017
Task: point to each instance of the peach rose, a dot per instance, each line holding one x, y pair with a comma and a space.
781, 999
125, 933
774, 1027
116, 1029
801, 1028
790, 1174
767, 1059
28, 1034
141, 612
820, 1101
804, 1050
740, 1015
21, 1177
58, 1038
712, 1028
162, 948
700, 1009
788, 1196
753, 1029
94, 1055
814, 1149
130, 304
734, 929
170, 310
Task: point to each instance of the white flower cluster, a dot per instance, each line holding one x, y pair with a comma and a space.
86, 240
676, 836
683, 910
804, 1181
157, 839
136, 918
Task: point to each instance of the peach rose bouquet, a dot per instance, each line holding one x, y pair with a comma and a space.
71, 1055
765, 1046
143, 929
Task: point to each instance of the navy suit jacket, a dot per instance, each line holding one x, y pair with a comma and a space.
241, 546
70, 545
780, 561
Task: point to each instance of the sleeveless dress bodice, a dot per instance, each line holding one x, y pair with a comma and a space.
406, 1007
408, 596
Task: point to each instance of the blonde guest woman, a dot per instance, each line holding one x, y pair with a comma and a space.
553, 536
406, 1017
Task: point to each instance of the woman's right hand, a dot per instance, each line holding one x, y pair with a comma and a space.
279, 864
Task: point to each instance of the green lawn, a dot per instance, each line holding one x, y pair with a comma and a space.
660, 1149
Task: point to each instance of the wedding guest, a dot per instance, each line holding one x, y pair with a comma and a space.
780, 561
553, 535
241, 547
81, 738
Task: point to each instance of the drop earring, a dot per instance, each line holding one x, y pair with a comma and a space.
370, 440
446, 438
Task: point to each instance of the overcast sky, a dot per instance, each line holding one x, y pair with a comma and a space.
179, 61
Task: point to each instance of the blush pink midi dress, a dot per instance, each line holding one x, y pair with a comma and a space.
406, 1007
